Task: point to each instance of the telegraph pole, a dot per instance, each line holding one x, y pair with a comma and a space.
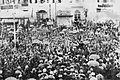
14, 29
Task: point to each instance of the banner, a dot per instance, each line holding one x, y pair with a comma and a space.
3, 7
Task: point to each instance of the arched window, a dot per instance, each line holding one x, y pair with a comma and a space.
42, 14
35, 1
77, 15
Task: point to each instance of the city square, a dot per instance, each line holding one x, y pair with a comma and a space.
59, 39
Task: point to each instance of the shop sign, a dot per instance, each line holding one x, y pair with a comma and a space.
9, 7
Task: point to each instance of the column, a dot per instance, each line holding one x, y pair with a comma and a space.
38, 1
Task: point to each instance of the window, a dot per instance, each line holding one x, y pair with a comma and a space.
98, 10
35, 1
86, 11
30, 1
25, 1
47, 1
3, 1
10, 1
59, 1
7, 2
18, 1
53, 1
77, 15
105, 1
42, 1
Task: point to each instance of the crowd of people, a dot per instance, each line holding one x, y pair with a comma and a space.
84, 51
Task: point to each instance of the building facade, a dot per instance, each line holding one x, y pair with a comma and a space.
63, 11
60, 10
98, 9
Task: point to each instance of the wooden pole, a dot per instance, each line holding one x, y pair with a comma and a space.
14, 31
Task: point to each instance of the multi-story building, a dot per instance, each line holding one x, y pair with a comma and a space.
99, 9
63, 11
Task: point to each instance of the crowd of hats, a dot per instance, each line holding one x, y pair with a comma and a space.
88, 51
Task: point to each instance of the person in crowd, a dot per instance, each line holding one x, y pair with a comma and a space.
63, 55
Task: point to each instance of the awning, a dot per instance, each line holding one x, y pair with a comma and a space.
64, 15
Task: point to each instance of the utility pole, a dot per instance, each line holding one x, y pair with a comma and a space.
14, 29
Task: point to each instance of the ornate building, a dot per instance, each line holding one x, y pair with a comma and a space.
63, 11
60, 10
